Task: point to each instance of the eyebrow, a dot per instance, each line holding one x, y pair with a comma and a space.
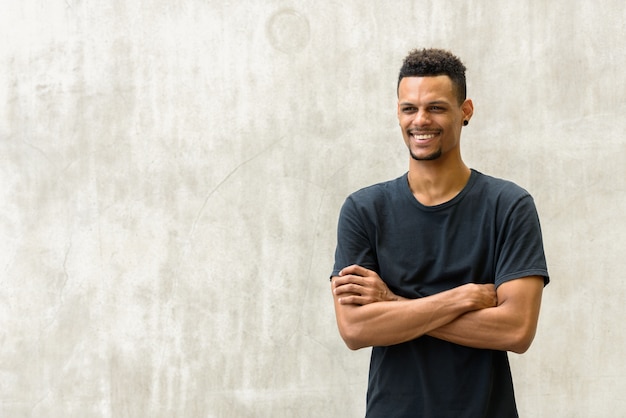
434, 102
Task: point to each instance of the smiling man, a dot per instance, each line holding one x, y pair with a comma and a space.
440, 271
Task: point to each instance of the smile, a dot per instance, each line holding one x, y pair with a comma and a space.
422, 137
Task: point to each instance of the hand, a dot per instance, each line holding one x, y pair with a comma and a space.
357, 285
481, 296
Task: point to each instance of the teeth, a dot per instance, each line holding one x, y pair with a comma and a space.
424, 136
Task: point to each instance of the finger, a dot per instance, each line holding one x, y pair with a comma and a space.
354, 300
341, 280
354, 269
336, 281
350, 288
351, 278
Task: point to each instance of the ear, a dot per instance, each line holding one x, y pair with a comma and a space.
468, 109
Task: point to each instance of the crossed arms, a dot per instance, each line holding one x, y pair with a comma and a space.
473, 315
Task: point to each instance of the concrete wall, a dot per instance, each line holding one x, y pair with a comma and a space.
171, 173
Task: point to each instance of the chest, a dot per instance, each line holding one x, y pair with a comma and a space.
421, 253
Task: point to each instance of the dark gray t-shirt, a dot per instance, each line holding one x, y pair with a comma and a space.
488, 233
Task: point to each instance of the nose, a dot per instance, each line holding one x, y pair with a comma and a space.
421, 118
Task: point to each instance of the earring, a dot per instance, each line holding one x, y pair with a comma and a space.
465, 122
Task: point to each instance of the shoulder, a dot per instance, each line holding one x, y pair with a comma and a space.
376, 201
379, 192
499, 190
511, 206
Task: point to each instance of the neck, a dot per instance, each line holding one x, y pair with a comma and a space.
436, 182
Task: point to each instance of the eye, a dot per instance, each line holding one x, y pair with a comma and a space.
408, 109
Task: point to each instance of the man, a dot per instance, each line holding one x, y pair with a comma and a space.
441, 270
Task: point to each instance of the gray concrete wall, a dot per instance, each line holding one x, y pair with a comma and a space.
171, 173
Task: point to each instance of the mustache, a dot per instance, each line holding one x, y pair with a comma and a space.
423, 131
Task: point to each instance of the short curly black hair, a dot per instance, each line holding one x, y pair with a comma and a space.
434, 62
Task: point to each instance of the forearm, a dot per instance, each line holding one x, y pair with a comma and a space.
388, 323
510, 326
487, 329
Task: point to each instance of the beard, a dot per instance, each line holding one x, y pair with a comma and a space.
430, 157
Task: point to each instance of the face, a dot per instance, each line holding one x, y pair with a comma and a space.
430, 117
